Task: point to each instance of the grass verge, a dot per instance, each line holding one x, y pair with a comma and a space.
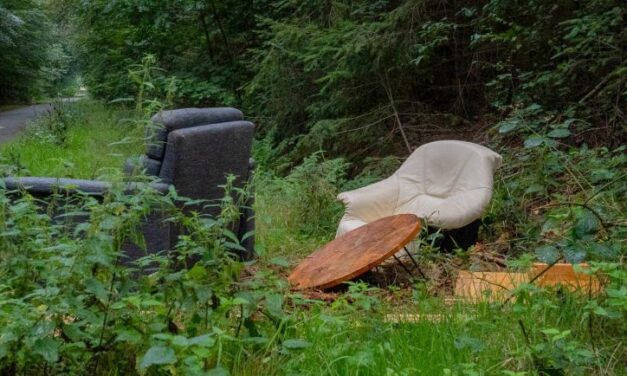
79, 140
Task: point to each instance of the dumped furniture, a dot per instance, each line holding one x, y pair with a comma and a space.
487, 286
448, 184
193, 150
564, 275
354, 253
498, 286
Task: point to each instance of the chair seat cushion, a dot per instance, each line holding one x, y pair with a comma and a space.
451, 212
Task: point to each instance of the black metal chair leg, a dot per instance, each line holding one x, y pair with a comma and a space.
415, 263
403, 265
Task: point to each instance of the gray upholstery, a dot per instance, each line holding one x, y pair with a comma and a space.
192, 149
167, 121
198, 159
202, 147
47, 186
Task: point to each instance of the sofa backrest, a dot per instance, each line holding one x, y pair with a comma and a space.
165, 122
195, 149
198, 159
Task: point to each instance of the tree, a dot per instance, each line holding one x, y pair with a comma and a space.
34, 60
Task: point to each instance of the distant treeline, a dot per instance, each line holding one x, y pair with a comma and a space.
36, 52
340, 74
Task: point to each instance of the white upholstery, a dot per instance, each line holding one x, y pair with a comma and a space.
446, 183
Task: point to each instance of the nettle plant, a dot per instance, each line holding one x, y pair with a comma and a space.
565, 201
570, 196
53, 127
70, 305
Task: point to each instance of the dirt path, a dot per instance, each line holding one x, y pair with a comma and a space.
13, 122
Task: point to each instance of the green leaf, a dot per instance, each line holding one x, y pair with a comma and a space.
603, 251
239, 301
547, 254
508, 125
180, 341
559, 133
157, 355
73, 332
533, 142
96, 287
551, 331
274, 302
255, 340
574, 254
296, 344
533, 108
600, 311
204, 340
280, 261
198, 272
586, 226
534, 188
48, 348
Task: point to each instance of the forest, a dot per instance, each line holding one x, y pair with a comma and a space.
341, 92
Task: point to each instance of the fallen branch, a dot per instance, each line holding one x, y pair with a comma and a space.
596, 89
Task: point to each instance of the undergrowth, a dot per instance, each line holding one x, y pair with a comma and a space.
71, 306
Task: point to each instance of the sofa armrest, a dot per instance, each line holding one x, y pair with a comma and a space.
44, 186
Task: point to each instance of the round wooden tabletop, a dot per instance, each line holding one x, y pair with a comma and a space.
355, 252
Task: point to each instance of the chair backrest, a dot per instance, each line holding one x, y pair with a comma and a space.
443, 168
195, 149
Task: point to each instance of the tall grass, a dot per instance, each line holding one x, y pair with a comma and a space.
96, 138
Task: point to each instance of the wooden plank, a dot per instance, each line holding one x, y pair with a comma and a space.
355, 252
487, 286
496, 286
564, 275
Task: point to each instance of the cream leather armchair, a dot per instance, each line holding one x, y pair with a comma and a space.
446, 183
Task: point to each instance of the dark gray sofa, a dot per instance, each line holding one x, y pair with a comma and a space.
192, 149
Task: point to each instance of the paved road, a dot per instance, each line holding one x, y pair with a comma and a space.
13, 122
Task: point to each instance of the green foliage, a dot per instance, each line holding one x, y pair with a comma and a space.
71, 303
36, 58
350, 68
53, 127
565, 202
61, 281
307, 207
355, 78
344, 68
197, 42
575, 351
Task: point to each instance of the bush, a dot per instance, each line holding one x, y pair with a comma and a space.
72, 304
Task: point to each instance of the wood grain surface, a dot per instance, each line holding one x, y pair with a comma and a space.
355, 252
